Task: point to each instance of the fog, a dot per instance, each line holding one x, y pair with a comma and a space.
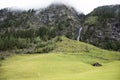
84, 6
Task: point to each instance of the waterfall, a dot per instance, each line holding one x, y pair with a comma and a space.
78, 38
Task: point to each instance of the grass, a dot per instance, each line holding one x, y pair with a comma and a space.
70, 60
91, 53
56, 67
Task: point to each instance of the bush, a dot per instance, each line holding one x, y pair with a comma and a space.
0, 64
37, 40
58, 39
22, 43
12, 43
92, 20
2, 58
87, 49
45, 47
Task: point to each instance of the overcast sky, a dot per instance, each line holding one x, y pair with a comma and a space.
84, 6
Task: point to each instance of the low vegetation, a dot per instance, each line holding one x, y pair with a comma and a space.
70, 60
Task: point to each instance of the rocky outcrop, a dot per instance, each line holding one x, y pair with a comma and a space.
103, 31
61, 19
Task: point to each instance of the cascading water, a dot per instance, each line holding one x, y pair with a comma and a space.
78, 38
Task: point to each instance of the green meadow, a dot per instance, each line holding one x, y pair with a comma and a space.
70, 60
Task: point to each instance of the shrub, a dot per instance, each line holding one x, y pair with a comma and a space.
92, 20
87, 49
12, 43
2, 58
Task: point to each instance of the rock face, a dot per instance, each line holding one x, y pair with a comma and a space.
102, 27
61, 19
64, 19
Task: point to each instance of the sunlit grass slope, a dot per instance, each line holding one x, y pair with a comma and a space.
56, 67
86, 52
70, 60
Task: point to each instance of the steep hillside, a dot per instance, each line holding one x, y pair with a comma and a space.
19, 29
102, 27
32, 28
61, 19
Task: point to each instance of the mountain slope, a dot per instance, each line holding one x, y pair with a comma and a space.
28, 29
20, 29
102, 27
61, 19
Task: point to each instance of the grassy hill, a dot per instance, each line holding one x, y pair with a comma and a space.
89, 52
70, 60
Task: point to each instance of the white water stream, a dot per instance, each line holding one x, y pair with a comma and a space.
78, 38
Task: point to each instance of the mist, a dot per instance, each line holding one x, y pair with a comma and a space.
84, 6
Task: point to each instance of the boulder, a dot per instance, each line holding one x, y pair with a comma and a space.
96, 64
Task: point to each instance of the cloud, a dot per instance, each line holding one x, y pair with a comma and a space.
26, 4
84, 6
